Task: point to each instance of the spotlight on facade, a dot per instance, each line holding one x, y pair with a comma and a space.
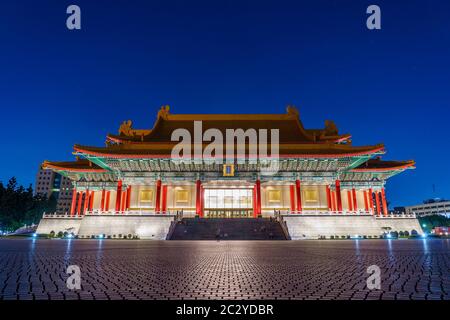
34, 235
100, 236
424, 235
388, 236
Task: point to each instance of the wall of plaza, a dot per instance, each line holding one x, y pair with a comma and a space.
145, 227
306, 226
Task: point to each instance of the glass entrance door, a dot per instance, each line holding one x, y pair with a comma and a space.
228, 203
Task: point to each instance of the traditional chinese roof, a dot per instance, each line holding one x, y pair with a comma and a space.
290, 127
377, 164
82, 165
285, 150
301, 149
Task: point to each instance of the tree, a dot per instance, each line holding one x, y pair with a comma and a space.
18, 206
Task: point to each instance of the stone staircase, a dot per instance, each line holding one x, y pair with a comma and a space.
228, 229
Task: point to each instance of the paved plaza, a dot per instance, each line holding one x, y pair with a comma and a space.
134, 269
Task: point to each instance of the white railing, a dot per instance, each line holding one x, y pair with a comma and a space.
108, 213
345, 213
59, 215
129, 213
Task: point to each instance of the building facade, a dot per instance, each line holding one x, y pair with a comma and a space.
430, 207
319, 172
51, 183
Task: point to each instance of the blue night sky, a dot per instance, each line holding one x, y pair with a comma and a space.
391, 86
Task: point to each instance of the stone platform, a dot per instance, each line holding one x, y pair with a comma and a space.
155, 227
309, 226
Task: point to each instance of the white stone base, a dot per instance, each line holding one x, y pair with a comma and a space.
144, 226
315, 226
62, 224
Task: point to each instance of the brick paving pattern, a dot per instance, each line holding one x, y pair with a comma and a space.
116, 269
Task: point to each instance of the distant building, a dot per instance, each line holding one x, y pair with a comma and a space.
399, 210
50, 183
430, 207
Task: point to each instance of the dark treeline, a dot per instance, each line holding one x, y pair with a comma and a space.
18, 205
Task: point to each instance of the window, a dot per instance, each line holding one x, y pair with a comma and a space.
182, 196
311, 195
274, 195
146, 195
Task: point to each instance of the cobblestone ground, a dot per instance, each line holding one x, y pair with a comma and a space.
115, 269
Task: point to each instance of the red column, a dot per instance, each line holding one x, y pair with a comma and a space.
86, 201
377, 200
198, 185
328, 197
202, 200
349, 199
258, 197
118, 195
371, 200
299, 195
255, 202
108, 196
355, 201
383, 200
338, 195
158, 196
333, 200
127, 207
91, 201
164, 198
80, 198
74, 202
366, 203
102, 202
123, 201
292, 196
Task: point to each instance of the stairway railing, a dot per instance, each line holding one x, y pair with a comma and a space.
282, 223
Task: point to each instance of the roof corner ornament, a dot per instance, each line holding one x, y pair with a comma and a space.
292, 111
126, 128
164, 112
330, 128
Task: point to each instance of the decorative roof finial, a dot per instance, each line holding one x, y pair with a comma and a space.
164, 112
292, 111
330, 128
126, 128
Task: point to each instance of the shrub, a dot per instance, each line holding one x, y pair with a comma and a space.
60, 234
51, 234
